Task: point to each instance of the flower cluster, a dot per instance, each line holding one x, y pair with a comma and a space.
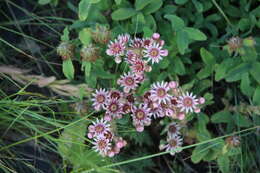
162, 99
105, 142
174, 140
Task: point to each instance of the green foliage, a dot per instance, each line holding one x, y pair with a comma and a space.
68, 69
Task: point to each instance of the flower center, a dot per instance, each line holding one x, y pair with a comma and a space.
108, 135
99, 128
154, 52
187, 102
161, 92
102, 144
113, 107
115, 95
172, 129
100, 98
129, 81
126, 108
140, 114
174, 101
117, 48
173, 143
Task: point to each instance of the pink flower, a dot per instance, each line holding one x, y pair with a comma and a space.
128, 81
156, 36
131, 57
114, 108
155, 53
100, 99
98, 129
174, 142
159, 92
136, 43
116, 48
187, 102
141, 116
102, 145
138, 67
147, 42
115, 94
123, 38
173, 129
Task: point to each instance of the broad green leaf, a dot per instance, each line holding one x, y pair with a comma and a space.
198, 5
202, 132
118, 2
84, 8
242, 120
245, 85
68, 69
180, 2
207, 57
164, 63
224, 163
85, 36
244, 24
256, 97
236, 73
179, 66
182, 39
177, 23
147, 32
152, 7
65, 36
221, 69
222, 117
255, 72
87, 68
234, 151
140, 4
195, 34
199, 153
123, 13
205, 72
249, 54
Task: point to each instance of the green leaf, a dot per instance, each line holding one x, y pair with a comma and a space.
152, 7
68, 69
223, 163
164, 63
65, 36
222, 117
195, 34
205, 72
199, 153
44, 2
140, 4
198, 5
147, 32
118, 2
207, 57
181, 2
221, 69
245, 85
241, 120
255, 72
236, 73
84, 8
85, 36
182, 39
123, 13
179, 66
244, 24
87, 68
177, 23
256, 97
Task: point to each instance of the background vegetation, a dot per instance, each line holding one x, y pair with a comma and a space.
45, 108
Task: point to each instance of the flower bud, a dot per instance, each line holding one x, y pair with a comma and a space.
101, 34
65, 50
249, 42
89, 53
